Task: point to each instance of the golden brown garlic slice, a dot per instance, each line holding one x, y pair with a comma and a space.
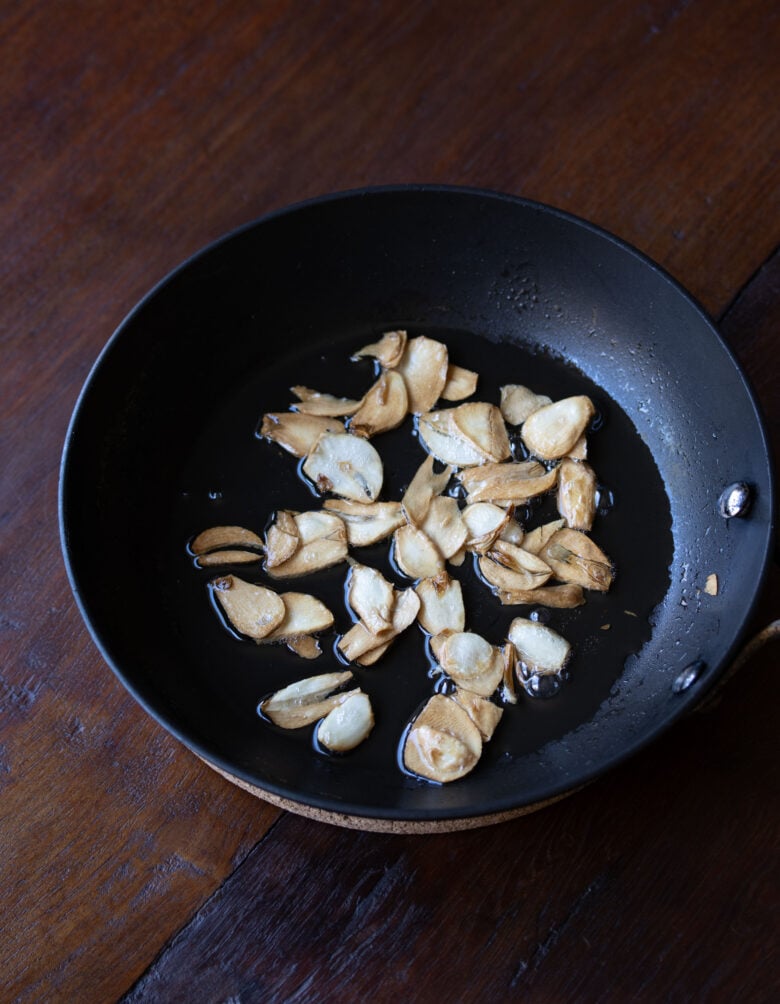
518, 402
295, 432
345, 465
303, 615
366, 523
471, 661
484, 713
226, 558
574, 557
424, 486
347, 725
383, 408
507, 483
444, 526
388, 351
314, 402
221, 537
577, 493
282, 539
535, 540
580, 449
563, 597
484, 523
252, 610
509, 660
552, 431
424, 368
371, 597
460, 383
363, 646
446, 442
305, 701
322, 543
542, 650
483, 426
443, 744
509, 567
441, 604
415, 553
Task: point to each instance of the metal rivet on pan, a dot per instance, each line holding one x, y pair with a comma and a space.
689, 676
735, 500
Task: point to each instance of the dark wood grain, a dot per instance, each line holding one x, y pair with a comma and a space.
132, 135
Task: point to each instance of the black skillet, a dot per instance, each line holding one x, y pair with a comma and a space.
163, 443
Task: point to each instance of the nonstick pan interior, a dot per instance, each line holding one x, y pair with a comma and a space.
163, 443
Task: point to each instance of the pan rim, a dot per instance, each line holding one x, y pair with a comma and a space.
415, 814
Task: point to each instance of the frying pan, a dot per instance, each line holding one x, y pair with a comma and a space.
163, 442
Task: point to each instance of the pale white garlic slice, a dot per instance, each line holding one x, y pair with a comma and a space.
441, 604
371, 597
363, 646
518, 402
446, 442
580, 449
424, 486
510, 483
306, 701
513, 532
314, 402
424, 368
347, 725
552, 431
221, 537
574, 557
252, 610
563, 596
460, 383
484, 713
345, 465
484, 522
295, 432
444, 526
471, 661
415, 553
540, 648
388, 351
366, 523
577, 487
483, 426
443, 744
383, 408
322, 543
508, 567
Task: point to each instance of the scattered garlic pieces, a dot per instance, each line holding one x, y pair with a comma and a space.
441, 604
484, 713
466, 436
305, 701
345, 465
366, 523
484, 523
282, 539
295, 432
518, 403
347, 725
471, 661
460, 383
422, 489
711, 585
362, 645
553, 430
388, 351
542, 650
443, 743
577, 493
226, 557
564, 596
371, 597
252, 610
513, 483
424, 366
574, 557
415, 553
322, 542
312, 402
383, 408
219, 537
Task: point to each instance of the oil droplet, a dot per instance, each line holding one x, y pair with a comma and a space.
543, 686
215, 496
605, 500
689, 676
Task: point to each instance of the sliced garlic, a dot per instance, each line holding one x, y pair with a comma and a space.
484, 522
305, 645
360, 645
484, 713
446, 442
537, 538
424, 486
444, 526
577, 493
303, 615
508, 567
366, 523
347, 725
509, 661
415, 553
219, 537
512, 482
471, 661
441, 604
383, 408
322, 543
305, 701
574, 557
226, 558
371, 597
483, 426
313, 402
281, 539
518, 402
443, 744
345, 465
295, 432
389, 350
252, 610
542, 650
424, 368
551, 431
460, 383
563, 597
580, 449
513, 533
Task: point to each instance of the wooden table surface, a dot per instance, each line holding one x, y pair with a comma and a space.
132, 135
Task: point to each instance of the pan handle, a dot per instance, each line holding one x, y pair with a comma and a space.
770, 633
